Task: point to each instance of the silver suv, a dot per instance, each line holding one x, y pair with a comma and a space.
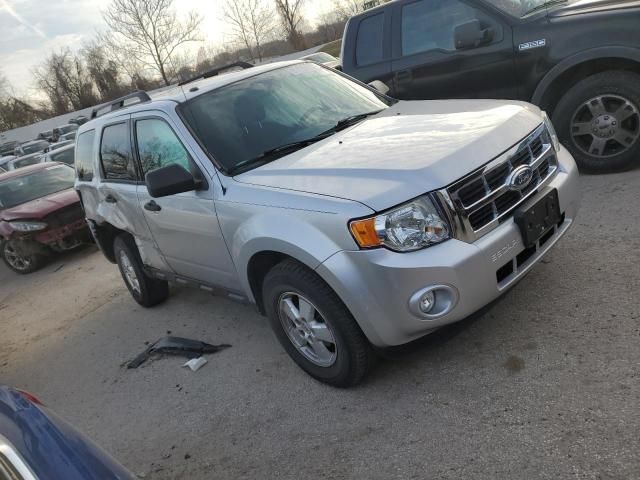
350, 219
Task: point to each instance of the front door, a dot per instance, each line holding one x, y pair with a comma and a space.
427, 65
184, 226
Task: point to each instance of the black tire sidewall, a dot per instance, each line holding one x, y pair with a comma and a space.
345, 371
152, 291
624, 84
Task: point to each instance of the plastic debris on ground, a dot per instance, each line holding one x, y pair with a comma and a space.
184, 347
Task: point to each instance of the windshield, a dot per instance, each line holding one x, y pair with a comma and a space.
7, 149
34, 147
65, 156
519, 8
25, 188
320, 57
25, 162
67, 128
241, 121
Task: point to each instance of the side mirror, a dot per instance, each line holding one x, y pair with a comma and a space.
471, 35
169, 180
379, 86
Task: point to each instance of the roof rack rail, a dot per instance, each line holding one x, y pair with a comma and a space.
118, 103
216, 71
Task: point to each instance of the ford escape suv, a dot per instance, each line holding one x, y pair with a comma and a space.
349, 218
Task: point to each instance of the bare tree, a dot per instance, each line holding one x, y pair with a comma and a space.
252, 23
103, 71
149, 31
63, 78
291, 17
347, 8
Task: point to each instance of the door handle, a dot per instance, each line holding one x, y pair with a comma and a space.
110, 199
152, 206
403, 75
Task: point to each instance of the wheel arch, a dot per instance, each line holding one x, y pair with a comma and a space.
581, 65
104, 235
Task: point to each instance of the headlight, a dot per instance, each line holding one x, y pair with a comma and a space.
28, 226
409, 227
553, 136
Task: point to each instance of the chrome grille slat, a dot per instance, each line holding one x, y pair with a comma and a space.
475, 214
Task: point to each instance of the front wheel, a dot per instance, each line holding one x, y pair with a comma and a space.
19, 259
314, 326
598, 120
145, 290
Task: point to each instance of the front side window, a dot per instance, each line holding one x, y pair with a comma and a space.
65, 156
245, 121
84, 156
429, 24
115, 153
25, 188
370, 40
158, 146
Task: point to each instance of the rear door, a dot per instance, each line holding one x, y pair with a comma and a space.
427, 65
117, 201
184, 226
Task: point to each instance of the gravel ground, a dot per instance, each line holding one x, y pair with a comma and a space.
543, 384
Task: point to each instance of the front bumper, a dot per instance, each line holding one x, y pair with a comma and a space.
64, 237
376, 285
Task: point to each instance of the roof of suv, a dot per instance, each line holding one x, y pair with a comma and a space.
181, 94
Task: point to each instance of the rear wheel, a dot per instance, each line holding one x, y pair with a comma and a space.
314, 326
598, 120
19, 259
145, 290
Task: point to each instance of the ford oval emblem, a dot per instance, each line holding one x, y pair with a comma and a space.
520, 177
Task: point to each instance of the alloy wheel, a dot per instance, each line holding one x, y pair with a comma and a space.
129, 272
16, 260
307, 329
605, 126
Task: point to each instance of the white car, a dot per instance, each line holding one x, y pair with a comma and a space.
349, 218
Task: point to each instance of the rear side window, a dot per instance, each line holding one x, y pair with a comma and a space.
429, 24
115, 153
84, 156
370, 41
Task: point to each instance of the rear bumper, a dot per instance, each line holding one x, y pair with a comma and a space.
377, 285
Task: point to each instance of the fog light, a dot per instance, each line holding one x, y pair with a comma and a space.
433, 301
427, 301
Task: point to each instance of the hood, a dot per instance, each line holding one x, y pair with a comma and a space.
589, 6
41, 207
407, 150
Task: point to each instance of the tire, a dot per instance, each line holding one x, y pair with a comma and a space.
22, 264
145, 290
595, 132
349, 350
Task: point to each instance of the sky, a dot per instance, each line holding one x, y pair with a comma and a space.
31, 29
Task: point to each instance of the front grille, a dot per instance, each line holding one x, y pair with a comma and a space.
484, 198
65, 216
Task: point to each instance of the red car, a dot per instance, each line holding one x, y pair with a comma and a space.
40, 213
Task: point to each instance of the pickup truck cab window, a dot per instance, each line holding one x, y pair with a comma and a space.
429, 24
115, 153
158, 146
370, 42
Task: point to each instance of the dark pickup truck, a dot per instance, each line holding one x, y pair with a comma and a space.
578, 60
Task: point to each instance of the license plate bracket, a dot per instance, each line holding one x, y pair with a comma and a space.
537, 218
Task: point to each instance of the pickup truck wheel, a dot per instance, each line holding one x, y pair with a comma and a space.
314, 326
598, 120
145, 290
18, 261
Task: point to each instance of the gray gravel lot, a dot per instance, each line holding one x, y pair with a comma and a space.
544, 384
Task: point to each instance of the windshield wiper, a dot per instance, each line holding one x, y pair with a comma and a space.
544, 5
277, 152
